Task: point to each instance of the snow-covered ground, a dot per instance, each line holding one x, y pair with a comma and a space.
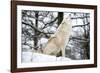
37, 57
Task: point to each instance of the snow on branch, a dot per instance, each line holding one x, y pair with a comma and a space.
81, 39
50, 22
80, 17
80, 25
33, 27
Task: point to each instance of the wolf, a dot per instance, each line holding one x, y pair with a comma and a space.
59, 40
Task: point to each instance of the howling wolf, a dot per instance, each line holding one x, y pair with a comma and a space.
59, 40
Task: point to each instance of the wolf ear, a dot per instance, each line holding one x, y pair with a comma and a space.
68, 18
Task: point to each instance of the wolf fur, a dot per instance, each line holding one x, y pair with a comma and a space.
60, 39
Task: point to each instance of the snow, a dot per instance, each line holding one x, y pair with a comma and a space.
26, 56
46, 19
37, 57
53, 29
55, 14
42, 58
63, 59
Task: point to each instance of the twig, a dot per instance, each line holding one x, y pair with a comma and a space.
81, 39
80, 25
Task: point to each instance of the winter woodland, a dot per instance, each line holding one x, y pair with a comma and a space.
39, 26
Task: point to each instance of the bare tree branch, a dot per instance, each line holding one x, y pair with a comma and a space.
50, 22
80, 25
33, 27
80, 17
84, 40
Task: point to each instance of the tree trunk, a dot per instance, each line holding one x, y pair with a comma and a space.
60, 18
35, 31
86, 36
